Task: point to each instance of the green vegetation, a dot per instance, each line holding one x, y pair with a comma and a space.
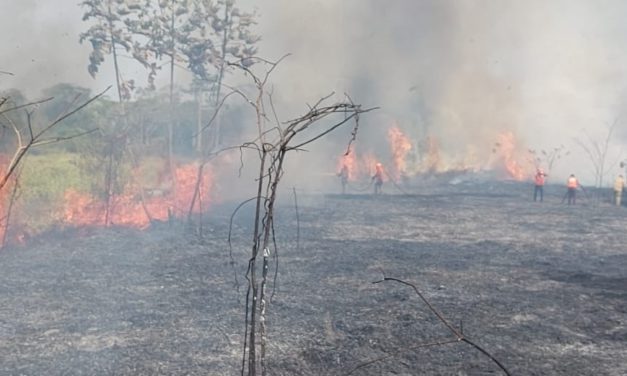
43, 182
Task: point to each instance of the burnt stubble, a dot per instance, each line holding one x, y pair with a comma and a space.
541, 286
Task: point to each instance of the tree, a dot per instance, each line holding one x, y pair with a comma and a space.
28, 136
548, 158
166, 30
597, 152
274, 141
10, 98
237, 41
107, 35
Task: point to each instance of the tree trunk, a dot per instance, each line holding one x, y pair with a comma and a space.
114, 52
10, 209
171, 134
252, 282
225, 38
109, 186
199, 122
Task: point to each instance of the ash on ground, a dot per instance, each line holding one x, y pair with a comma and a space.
541, 286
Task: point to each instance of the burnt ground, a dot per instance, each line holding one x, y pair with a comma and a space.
543, 287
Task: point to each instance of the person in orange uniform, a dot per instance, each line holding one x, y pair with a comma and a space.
572, 184
378, 178
539, 180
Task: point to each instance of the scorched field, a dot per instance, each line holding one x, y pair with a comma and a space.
540, 286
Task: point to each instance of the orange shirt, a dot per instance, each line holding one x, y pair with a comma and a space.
572, 182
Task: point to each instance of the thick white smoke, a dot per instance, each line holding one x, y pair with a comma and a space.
462, 70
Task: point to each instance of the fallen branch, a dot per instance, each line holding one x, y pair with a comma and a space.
458, 334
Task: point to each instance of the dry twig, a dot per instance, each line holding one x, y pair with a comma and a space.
457, 333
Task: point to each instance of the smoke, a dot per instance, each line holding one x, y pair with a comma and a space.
461, 71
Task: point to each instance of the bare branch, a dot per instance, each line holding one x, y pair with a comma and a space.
25, 105
23, 148
65, 138
459, 336
72, 112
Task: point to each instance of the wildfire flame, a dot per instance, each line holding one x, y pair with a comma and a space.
508, 150
400, 147
432, 161
6, 206
134, 209
508, 158
349, 161
368, 165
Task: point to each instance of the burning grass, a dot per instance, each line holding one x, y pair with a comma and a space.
56, 190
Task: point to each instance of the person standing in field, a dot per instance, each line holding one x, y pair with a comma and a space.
378, 178
539, 181
572, 184
619, 186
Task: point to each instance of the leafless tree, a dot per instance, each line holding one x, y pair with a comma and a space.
28, 136
274, 141
597, 152
548, 158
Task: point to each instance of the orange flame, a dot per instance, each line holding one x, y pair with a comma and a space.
17, 229
432, 161
400, 147
350, 162
130, 209
368, 166
508, 150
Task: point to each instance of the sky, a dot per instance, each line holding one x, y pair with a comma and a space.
551, 71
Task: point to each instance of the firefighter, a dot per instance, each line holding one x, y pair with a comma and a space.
539, 185
378, 178
572, 184
343, 174
619, 186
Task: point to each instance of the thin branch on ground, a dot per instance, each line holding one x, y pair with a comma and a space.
457, 333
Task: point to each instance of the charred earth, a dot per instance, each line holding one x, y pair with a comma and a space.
541, 286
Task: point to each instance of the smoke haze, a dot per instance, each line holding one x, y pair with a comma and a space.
460, 70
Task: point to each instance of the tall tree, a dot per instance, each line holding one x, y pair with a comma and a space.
235, 39
107, 35
166, 29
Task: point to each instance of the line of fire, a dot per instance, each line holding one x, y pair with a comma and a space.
149, 196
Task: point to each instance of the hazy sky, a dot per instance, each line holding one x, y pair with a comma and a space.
459, 69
